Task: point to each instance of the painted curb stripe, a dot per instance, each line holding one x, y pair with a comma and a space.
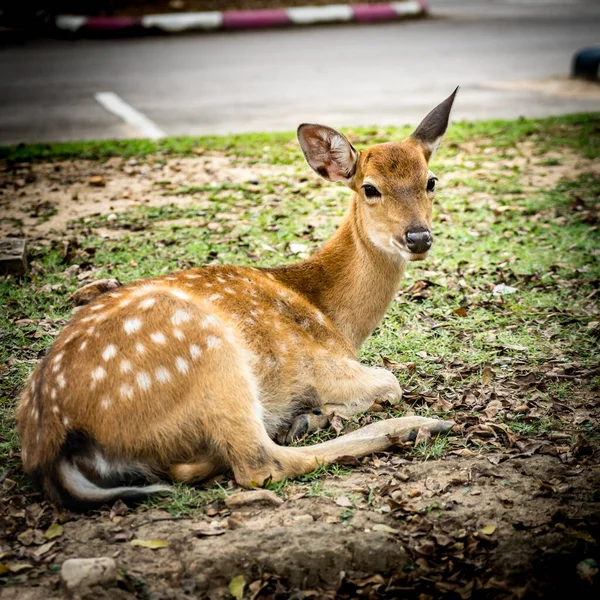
308, 15
248, 19
365, 13
175, 22
112, 23
254, 19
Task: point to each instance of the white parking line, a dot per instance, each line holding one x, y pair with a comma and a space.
117, 106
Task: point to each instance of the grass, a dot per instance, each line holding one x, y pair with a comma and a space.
492, 225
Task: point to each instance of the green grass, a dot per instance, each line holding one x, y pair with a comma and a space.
491, 226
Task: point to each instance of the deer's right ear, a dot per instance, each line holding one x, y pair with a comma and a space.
328, 152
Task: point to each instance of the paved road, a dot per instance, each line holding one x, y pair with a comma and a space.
388, 73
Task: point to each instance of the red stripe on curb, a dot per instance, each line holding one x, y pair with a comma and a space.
254, 19
365, 13
107, 23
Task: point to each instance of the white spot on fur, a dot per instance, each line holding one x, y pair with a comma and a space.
58, 358
83, 345
250, 320
180, 316
53, 394
181, 365
158, 337
220, 280
208, 284
210, 321
147, 303
178, 334
229, 290
215, 297
213, 342
170, 278
91, 330
125, 302
60, 379
195, 351
66, 421
319, 316
162, 375
98, 374
140, 348
125, 366
56, 368
179, 294
132, 325
109, 352
143, 380
115, 294
55, 409
192, 276
105, 403
97, 307
126, 391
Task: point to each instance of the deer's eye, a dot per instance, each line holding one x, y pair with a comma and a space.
371, 191
431, 184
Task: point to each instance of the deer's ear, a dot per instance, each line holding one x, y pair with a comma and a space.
432, 128
328, 152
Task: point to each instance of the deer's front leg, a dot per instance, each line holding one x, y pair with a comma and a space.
347, 388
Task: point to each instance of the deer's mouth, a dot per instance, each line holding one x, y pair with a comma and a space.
406, 254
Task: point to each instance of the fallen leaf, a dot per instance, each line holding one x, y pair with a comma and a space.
488, 529
236, 587
503, 290
55, 530
18, 567
381, 528
344, 502
461, 311
486, 375
152, 544
44, 548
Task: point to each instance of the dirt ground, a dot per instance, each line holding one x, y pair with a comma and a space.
498, 515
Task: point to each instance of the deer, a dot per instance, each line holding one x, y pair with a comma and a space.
219, 368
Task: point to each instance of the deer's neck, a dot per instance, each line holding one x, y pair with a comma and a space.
349, 279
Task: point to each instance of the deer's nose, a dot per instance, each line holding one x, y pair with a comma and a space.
418, 240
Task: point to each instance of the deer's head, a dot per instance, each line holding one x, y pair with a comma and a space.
393, 185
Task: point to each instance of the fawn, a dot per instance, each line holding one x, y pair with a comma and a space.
201, 371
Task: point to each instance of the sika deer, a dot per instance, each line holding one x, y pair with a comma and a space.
193, 373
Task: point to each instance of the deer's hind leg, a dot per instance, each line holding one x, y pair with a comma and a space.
345, 387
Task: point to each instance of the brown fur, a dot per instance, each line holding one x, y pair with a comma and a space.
196, 372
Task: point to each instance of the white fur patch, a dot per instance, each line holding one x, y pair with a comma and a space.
147, 303
126, 391
143, 380
66, 421
140, 348
97, 307
162, 375
179, 294
125, 366
55, 409
180, 316
182, 365
83, 345
132, 325
60, 379
215, 297
109, 352
178, 334
213, 342
158, 337
105, 403
98, 374
210, 321
195, 351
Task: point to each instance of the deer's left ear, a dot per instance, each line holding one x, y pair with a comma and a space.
432, 128
328, 152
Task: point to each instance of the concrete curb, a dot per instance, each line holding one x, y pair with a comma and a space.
244, 19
